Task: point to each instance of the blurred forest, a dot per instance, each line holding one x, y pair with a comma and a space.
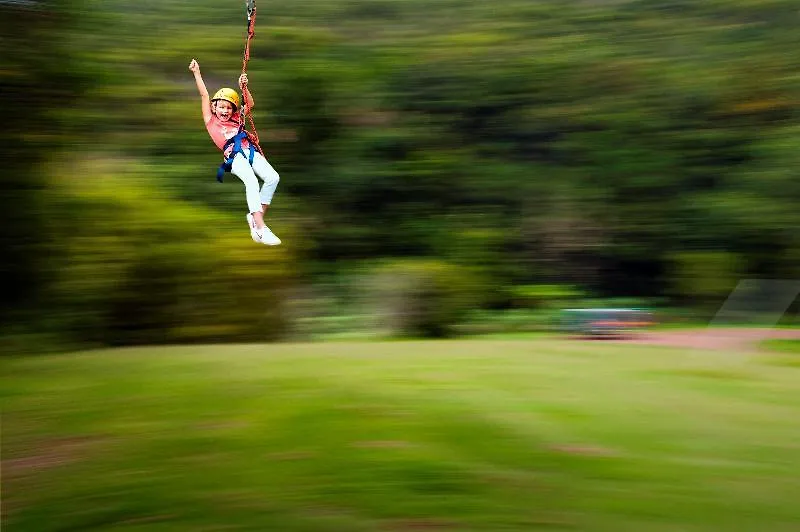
440, 160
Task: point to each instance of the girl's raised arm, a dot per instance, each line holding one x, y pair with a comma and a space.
201, 88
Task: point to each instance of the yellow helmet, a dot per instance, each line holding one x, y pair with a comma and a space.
229, 95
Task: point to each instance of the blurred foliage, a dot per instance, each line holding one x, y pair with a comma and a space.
550, 142
424, 297
150, 270
36, 80
544, 296
707, 277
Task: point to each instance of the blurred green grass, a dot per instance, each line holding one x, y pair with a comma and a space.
410, 435
784, 345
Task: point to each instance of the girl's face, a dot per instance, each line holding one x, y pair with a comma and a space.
223, 109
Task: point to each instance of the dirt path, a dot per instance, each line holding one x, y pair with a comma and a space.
730, 339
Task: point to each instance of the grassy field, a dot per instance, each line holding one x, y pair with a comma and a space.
782, 345
491, 435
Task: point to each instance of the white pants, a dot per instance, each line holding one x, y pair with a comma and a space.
241, 168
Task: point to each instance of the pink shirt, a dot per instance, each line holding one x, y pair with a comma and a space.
222, 131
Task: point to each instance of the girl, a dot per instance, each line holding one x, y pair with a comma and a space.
224, 118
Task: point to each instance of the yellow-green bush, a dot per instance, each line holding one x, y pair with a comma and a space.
425, 298
706, 277
133, 265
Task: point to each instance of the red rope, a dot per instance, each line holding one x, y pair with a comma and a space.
251, 26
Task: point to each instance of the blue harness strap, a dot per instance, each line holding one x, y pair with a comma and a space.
236, 140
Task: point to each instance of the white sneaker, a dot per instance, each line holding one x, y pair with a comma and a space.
253, 232
267, 237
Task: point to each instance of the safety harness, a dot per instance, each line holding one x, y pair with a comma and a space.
236, 141
252, 135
